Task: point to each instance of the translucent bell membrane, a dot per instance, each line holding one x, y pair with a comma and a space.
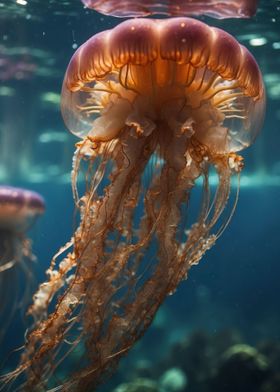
243, 130
215, 8
78, 123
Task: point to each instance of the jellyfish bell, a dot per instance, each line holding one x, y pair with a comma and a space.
157, 105
19, 208
18, 211
138, 8
177, 71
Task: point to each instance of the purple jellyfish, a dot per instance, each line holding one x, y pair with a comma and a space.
18, 211
16, 66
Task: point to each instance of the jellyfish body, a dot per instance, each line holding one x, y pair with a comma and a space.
18, 210
216, 8
157, 104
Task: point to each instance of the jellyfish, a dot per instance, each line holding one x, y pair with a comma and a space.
216, 8
160, 108
18, 210
15, 64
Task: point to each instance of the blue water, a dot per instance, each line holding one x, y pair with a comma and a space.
236, 285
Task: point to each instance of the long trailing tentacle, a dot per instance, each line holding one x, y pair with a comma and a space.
17, 265
109, 286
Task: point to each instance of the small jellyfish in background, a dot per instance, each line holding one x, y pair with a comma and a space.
15, 65
18, 210
158, 105
215, 8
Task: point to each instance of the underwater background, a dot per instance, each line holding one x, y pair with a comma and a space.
220, 331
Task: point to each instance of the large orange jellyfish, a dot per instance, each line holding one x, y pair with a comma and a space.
18, 210
214, 8
158, 105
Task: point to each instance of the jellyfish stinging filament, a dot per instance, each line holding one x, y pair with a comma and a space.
157, 104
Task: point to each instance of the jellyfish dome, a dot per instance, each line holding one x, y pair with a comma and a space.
135, 8
179, 71
18, 210
158, 105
